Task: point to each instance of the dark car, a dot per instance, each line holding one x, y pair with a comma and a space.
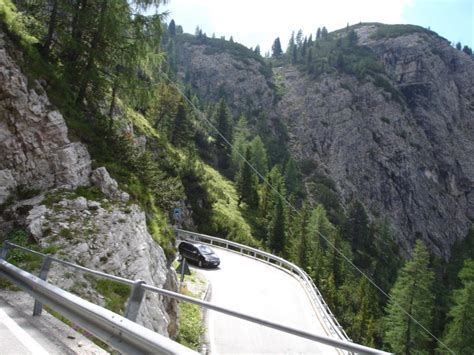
198, 253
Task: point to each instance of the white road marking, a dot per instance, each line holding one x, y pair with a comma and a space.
22, 336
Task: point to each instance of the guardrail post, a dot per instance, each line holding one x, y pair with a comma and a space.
43, 275
4, 251
135, 301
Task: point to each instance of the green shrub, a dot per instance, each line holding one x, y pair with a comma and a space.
24, 192
16, 23
383, 83
22, 259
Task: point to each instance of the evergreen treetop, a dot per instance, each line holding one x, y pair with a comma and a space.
411, 298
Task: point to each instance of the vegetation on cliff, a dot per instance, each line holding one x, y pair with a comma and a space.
103, 68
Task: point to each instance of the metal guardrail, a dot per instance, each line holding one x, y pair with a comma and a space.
121, 332
331, 323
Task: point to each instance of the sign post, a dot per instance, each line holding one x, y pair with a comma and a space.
183, 269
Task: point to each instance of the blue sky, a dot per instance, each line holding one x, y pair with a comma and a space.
253, 22
453, 20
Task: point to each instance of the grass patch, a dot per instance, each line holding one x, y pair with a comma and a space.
66, 233
116, 294
191, 327
227, 221
24, 260
52, 249
88, 192
141, 123
8, 285
392, 31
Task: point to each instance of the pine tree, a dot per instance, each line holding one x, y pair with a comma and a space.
318, 33
363, 326
413, 293
172, 28
467, 50
224, 127
327, 260
304, 248
299, 38
291, 44
386, 251
356, 230
240, 142
246, 182
324, 33
352, 38
276, 235
460, 330
292, 179
274, 209
276, 48
259, 156
181, 133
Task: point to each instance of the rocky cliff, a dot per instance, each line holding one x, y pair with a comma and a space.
400, 141
216, 69
40, 168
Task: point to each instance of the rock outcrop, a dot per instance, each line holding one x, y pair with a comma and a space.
38, 163
112, 238
35, 151
243, 81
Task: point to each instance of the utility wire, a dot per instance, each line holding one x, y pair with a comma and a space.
293, 208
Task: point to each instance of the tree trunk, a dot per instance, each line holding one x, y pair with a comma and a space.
408, 332
95, 44
46, 48
72, 52
113, 103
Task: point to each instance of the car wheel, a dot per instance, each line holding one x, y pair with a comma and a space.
200, 263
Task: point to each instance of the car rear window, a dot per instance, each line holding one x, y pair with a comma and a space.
205, 249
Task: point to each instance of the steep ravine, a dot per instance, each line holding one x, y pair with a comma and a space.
403, 145
39, 170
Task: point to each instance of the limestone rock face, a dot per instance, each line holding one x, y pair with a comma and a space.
243, 81
114, 240
100, 177
409, 158
35, 151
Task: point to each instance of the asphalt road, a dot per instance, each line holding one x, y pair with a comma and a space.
261, 290
23, 334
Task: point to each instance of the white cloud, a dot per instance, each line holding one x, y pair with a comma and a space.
253, 22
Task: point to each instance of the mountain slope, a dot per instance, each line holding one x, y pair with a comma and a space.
397, 134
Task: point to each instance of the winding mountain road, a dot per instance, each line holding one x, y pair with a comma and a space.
253, 287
